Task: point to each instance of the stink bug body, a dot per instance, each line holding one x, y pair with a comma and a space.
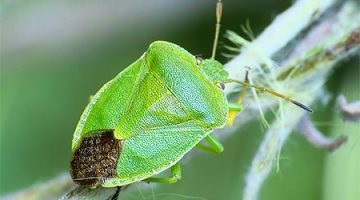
150, 115
157, 109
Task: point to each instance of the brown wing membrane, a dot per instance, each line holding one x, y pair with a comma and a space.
96, 159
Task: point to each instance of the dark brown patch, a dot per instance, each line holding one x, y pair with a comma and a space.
96, 159
353, 39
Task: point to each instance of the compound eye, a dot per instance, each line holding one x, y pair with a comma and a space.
221, 86
199, 60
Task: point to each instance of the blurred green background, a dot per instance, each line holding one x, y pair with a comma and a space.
55, 54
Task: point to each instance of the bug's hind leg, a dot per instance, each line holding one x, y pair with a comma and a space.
214, 146
117, 192
175, 175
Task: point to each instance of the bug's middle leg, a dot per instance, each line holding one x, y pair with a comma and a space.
175, 175
214, 145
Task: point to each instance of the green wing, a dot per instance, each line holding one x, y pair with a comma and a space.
163, 88
154, 107
110, 103
155, 150
173, 91
178, 69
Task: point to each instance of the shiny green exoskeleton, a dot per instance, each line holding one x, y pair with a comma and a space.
150, 115
159, 107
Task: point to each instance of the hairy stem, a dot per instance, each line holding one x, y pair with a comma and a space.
320, 45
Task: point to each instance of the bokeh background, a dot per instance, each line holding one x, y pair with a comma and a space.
55, 54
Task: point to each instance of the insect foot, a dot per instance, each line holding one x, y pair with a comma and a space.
96, 159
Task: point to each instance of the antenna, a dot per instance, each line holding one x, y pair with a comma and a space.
272, 92
217, 27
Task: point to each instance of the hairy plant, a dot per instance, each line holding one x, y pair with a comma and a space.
295, 53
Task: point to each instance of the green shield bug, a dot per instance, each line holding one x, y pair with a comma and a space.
150, 115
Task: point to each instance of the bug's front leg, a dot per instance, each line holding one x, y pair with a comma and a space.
214, 145
175, 175
236, 107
